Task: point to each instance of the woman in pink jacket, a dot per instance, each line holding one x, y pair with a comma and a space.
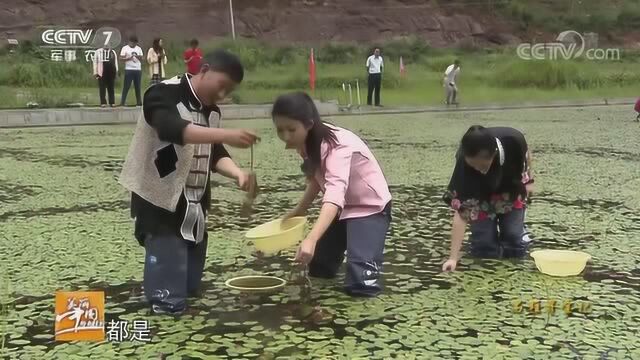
356, 205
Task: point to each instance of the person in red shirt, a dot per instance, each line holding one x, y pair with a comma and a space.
193, 58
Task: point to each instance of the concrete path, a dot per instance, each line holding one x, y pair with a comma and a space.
494, 107
129, 115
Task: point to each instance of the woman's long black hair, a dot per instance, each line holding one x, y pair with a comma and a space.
478, 139
156, 46
299, 106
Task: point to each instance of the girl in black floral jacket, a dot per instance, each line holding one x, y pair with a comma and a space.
489, 188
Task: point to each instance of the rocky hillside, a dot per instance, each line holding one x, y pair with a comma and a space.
441, 23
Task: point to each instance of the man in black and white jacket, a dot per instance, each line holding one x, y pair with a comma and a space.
177, 143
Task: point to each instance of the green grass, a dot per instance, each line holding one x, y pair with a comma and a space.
489, 75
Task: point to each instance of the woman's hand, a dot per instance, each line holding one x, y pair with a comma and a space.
449, 265
305, 251
457, 235
310, 194
328, 214
530, 189
294, 213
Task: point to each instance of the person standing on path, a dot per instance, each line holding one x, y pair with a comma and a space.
132, 55
157, 59
105, 69
374, 67
450, 77
193, 58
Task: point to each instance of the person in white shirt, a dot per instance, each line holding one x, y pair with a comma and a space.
449, 82
374, 67
132, 55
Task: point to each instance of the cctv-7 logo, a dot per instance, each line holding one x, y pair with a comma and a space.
108, 37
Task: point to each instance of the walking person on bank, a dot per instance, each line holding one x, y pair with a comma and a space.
132, 56
157, 59
450, 78
374, 68
105, 69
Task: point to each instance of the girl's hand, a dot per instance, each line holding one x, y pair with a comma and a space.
449, 265
293, 213
305, 251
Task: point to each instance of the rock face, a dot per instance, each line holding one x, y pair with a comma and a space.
272, 20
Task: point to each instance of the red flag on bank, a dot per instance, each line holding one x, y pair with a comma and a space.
312, 71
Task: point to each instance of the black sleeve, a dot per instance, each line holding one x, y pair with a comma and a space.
458, 188
218, 153
160, 112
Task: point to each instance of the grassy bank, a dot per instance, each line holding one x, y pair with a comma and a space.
488, 75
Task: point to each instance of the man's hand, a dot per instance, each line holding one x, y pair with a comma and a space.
449, 265
239, 138
248, 182
242, 179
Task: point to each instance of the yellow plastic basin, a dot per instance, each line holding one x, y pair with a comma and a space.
560, 262
256, 283
276, 235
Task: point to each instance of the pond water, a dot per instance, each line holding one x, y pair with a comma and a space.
65, 225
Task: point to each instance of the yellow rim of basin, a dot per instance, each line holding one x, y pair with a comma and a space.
279, 283
267, 229
561, 255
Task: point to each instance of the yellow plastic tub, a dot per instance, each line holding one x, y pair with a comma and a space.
560, 262
256, 284
276, 235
